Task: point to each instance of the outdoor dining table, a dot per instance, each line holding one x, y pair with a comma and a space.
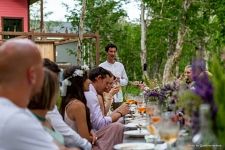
139, 120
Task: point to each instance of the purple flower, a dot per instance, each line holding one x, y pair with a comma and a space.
163, 92
203, 86
198, 66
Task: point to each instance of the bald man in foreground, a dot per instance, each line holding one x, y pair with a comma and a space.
21, 76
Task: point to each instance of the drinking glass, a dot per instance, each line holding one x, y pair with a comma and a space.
152, 108
141, 106
168, 131
130, 100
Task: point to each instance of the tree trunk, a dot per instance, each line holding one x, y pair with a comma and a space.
143, 53
81, 30
42, 16
172, 60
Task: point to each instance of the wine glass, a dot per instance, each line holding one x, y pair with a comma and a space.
153, 115
152, 108
130, 100
168, 131
153, 119
141, 108
141, 105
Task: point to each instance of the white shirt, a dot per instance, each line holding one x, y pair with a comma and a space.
72, 139
117, 69
20, 130
97, 119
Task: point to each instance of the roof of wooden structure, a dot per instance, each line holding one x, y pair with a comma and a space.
56, 38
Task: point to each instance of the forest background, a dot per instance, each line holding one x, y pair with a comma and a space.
167, 36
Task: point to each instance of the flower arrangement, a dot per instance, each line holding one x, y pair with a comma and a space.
200, 92
207, 88
163, 92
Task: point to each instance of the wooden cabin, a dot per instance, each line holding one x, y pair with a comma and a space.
14, 15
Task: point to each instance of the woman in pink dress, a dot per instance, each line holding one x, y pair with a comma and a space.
76, 113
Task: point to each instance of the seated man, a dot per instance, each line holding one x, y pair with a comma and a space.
100, 78
188, 76
107, 97
21, 76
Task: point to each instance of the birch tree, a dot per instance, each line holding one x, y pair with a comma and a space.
143, 54
172, 60
80, 32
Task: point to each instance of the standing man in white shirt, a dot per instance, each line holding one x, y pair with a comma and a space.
21, 76
117, 69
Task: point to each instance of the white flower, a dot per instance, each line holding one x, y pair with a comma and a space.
66, 82
146, 88
85, 67
78, 72
63, 88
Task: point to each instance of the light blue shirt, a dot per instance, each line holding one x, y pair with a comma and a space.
97, 119
72, 138
20, 130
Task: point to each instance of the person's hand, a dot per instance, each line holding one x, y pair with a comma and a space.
94, 137
117, 79
124, 109
114, 90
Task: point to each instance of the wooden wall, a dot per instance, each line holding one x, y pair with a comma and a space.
47, 50
15, 8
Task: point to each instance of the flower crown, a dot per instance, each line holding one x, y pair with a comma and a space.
66, 82
80, 72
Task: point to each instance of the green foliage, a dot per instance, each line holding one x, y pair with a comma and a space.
205, 25
151, 83
219, 93
204, 22
131, 89
58, 101
189, 101
129, 50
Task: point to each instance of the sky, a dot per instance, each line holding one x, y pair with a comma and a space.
59, 11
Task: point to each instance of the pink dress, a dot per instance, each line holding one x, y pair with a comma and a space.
108, 136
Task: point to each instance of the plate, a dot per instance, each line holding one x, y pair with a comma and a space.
131, 125
128, 115
134, 125
136, 133
134, 146
128, 119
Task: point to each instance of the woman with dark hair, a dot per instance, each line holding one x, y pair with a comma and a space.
74, 102
76, 113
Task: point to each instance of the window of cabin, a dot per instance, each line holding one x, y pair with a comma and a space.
12, 24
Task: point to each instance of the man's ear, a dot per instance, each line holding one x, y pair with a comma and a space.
31, 76
98, 77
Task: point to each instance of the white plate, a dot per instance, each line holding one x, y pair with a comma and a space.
134, 146
131, 125
136, 133
128, 115
134, 125
128, 119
